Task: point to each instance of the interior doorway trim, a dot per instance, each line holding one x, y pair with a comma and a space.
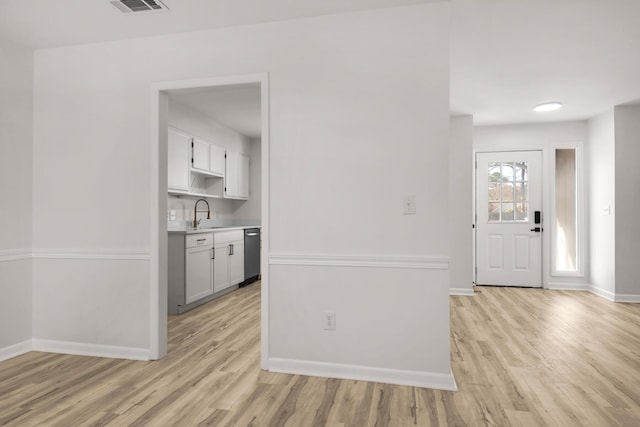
158, 198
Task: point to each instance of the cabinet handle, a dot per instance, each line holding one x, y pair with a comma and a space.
213, 253
230, 249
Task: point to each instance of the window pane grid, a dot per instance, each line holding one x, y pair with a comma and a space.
508, 198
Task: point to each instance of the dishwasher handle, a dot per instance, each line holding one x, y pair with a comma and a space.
251, 234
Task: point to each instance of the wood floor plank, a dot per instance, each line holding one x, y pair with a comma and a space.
521, 357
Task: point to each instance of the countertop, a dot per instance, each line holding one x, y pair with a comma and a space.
210, 229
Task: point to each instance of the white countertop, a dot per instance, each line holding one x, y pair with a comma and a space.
210, 229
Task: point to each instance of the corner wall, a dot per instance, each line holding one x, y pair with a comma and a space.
16, 145
627, 202
602, 190
359, 119
461, 205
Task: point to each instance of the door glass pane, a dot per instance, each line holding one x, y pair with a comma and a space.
494, 192
494, 212
508, 197
507, 212
507, 192
566, 242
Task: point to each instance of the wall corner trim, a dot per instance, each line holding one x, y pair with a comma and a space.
364, 373
377, 261
14, 254
602, 293
627, 298
86, 349
15, 350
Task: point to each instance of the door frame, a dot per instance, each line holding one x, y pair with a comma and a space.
158, 283
545, 206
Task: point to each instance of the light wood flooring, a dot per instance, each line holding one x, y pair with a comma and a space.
521, 357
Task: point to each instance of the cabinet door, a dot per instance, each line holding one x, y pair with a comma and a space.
178, 160
243, 176
236, 263
201, 154
221, 267
232, 186
199, 274
216, 160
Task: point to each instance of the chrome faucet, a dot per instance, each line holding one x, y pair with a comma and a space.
196, 221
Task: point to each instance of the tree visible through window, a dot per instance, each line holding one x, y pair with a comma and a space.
508, 192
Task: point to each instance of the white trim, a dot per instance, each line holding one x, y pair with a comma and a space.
15, 350
389, 261
602, 293
627, 298
559, 286
364, 373
95, 350
14, 254
157, 279
93, 254
461, 292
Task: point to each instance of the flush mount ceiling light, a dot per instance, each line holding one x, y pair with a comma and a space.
547, 106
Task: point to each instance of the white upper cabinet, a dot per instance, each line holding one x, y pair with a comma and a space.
216, 160
178, 159
201, 156
243, 176
208, 158
237, 176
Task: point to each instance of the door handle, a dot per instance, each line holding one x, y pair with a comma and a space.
537, 229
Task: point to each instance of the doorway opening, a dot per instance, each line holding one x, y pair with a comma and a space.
228, 114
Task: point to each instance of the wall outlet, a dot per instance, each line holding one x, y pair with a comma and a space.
172, 215
409, 205
329, 320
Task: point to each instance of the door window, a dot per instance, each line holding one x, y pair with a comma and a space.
508, 196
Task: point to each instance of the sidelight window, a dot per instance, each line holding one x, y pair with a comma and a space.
565, 242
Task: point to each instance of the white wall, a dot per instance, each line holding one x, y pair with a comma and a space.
358, 120
16, 137
197, 124
602, 189
627, 201
461, 205
545, 137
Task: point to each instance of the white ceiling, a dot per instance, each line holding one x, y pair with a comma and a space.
509, 55
506, 55
236, 106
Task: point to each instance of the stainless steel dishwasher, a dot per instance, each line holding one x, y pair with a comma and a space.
251, 255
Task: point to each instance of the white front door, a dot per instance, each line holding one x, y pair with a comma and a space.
508, 225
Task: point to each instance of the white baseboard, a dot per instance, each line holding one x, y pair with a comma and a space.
602, 293
558, 286
635, 299
96, 350
461, 292
364, 373
15, 350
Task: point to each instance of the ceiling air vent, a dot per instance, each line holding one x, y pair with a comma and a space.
137, 6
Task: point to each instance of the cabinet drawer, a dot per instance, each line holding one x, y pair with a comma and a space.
229, 236
196, 240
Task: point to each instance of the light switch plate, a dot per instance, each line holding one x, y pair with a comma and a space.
409, 205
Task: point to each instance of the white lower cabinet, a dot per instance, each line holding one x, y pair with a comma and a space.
201, 265
229, 259
199, 274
